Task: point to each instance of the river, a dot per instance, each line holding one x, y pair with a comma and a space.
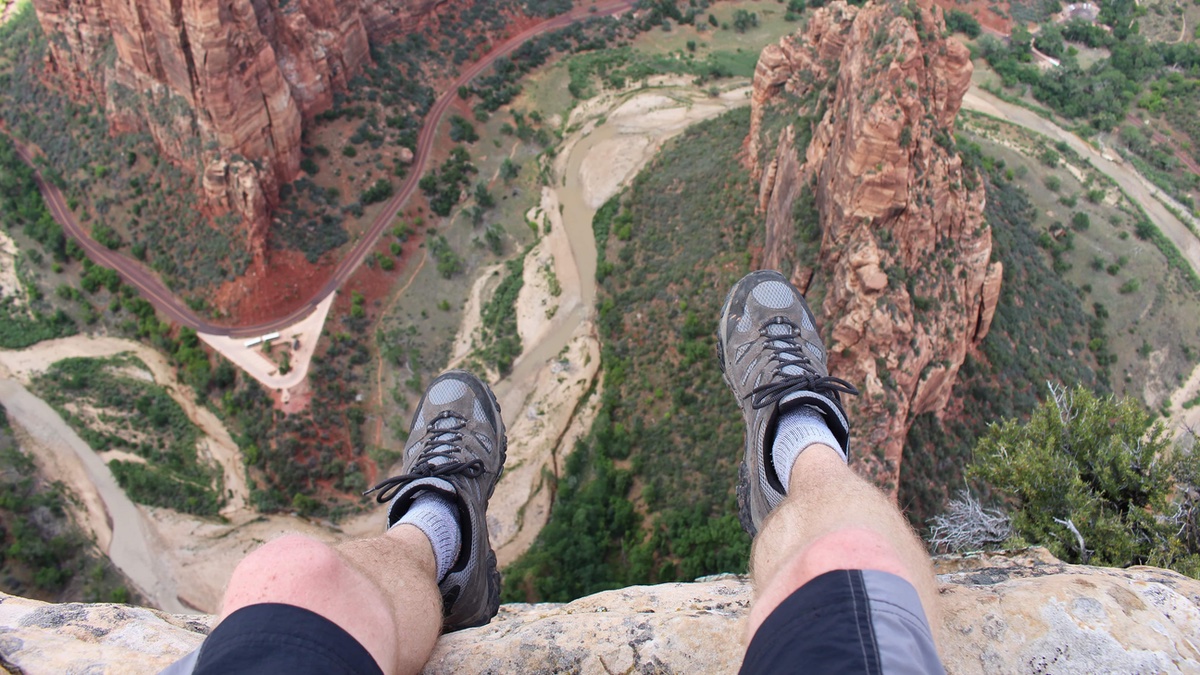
130, 548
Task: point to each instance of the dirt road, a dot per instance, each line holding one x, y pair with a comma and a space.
1138, 188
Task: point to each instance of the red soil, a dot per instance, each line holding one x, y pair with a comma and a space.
373, 282
981, 9
284, 282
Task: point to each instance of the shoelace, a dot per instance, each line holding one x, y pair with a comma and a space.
782, 384
440, 443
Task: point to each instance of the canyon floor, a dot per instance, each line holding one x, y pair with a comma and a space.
182, 562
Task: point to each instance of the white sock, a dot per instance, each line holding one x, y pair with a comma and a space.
795, 430
436, 515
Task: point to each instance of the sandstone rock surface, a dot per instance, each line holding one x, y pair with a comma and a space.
1016, 612
223, 86
858, 109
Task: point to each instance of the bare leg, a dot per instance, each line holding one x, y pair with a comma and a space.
832, 519
382, 591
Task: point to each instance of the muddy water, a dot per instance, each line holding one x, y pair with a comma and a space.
577, 221
131, 549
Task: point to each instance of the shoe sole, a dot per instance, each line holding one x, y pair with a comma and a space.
745, 517
491, 568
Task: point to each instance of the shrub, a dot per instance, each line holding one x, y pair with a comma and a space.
461, 130
483, 197
959, 21
1091, 478
106, 236
744, 20
380, 191
448, 262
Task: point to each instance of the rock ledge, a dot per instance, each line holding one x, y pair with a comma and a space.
1022, 611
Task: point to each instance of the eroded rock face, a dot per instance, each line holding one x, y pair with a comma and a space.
858, 108
390, 19
221, 85
1001, 613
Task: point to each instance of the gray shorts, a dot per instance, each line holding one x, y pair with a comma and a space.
848, 621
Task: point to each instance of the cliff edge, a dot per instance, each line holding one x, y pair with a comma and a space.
1022, 611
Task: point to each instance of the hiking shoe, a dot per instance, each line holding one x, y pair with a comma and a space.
456, 448
774, 361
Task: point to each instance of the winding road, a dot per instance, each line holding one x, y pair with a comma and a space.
1133, 183
157, 294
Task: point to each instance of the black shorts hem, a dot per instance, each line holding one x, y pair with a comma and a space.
285, 639
846, 622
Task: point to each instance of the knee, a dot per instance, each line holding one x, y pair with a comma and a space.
282, 570
845, 549
848, 549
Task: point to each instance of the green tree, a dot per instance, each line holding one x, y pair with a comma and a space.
509, 170
744, 20
462, 131
959, 21
1091, 478
483, 198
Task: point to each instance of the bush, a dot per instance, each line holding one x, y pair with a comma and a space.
461, 130
483, 197
1091, 478
744, 20
380, 191
444, 187
959, 21
509, 170
106, 236
448, 262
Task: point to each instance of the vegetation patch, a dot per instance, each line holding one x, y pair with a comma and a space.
112, 408
648, 495
499, 342
1096, 481
43, 554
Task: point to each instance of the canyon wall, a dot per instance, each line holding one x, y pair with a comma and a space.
223, 86
858, 109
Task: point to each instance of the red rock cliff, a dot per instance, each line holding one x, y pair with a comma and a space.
222, 85
904, 249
